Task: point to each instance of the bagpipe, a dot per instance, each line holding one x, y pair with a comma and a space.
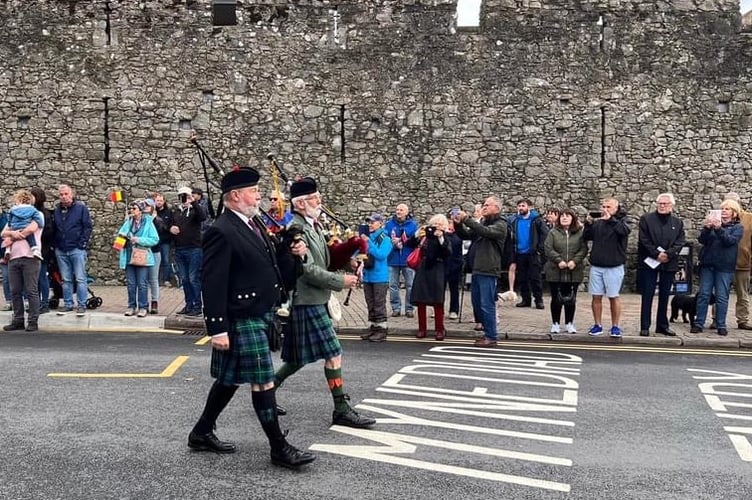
343, 243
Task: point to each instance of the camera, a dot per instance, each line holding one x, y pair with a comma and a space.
183, 197
430, 230
595, 214
363, 230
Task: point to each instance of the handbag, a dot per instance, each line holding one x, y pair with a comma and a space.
413, 260
571, 298
139, 257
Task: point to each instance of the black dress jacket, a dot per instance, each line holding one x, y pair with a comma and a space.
242, 272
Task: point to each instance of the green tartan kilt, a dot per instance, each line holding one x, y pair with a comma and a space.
312, 336
248, 361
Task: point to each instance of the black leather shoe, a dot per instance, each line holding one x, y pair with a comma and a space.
209, 442
183, 311
286, 455
723, 332
352, 418
644, 333
32, 327
13, 327
281, 411
695, 329
523, 304
539, 305
668, 332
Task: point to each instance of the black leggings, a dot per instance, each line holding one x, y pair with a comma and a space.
565, 289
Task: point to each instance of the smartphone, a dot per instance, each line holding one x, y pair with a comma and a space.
455, 212
363, 229
595, 214
714, 214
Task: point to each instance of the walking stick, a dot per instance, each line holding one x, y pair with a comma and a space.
462, 296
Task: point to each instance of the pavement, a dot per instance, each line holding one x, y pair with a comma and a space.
515, 323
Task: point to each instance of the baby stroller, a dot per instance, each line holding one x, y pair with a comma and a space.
56, 286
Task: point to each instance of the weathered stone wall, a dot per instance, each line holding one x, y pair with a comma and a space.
562, 101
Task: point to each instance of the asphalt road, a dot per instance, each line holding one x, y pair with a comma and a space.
521, 421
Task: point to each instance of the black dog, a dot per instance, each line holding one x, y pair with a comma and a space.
687, 304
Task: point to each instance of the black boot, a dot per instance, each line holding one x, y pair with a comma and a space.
350, 417
202, 437
14, 326
284, 454
209, 442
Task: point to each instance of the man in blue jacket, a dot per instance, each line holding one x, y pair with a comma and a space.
401, 229
73, 230
376, 278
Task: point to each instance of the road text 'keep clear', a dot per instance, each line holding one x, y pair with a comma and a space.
495, 414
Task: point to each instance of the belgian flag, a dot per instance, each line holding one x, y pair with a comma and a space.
116, 196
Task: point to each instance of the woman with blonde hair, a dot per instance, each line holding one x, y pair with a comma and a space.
140, 235
720, 238
430, 276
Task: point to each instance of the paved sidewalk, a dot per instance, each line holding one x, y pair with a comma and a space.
515, 323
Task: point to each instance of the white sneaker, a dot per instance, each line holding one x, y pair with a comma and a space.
571, 328
555, 328
453, 315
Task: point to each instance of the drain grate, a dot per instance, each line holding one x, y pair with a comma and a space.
195, 333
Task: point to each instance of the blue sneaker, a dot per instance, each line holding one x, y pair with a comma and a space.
615, 332
595, 330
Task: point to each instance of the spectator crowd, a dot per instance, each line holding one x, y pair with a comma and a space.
44, 259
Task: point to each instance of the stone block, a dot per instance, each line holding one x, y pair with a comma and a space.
652, 341
710, 342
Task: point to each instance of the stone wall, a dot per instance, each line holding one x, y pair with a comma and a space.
385, 101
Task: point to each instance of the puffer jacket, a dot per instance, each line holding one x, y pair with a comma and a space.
563, 246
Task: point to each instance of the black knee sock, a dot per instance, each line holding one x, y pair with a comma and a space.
219, 396
265, 405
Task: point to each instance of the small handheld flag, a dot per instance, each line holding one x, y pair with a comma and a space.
119, 243
116, 196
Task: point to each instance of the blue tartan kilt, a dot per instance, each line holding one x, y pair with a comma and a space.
248, 361
312, 336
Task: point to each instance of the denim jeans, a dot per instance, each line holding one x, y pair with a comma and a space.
44, 286
153, 279
720, 283
72, 265
394, 287
189, 266
483, 297
137, 278
165, 271
710, 281
6, 282
647, 278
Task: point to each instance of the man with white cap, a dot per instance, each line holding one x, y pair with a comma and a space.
187, 217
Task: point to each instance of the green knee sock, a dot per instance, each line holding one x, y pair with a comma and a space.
285, 371
334, 379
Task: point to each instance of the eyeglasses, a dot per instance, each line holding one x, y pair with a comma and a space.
664, 203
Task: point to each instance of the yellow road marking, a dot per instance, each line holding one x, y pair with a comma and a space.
203, 340
580, 347
166, 373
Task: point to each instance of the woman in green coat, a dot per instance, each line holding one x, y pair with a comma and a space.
565, 256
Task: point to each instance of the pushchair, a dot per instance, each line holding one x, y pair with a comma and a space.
56, 286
